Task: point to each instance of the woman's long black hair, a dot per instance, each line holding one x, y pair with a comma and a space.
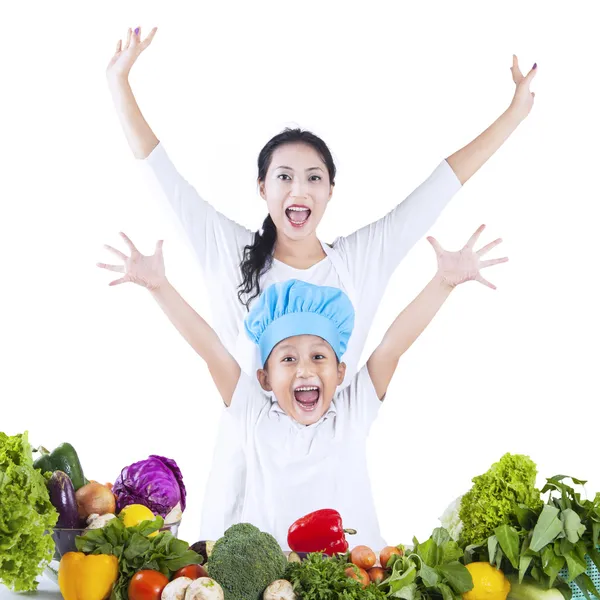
259, 255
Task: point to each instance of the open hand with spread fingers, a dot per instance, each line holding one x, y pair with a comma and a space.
126, 54
147, 271
455, 268
522, 101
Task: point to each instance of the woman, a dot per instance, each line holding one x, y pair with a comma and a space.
296, 176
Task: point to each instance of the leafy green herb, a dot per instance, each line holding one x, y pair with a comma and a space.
320, 577
136, 551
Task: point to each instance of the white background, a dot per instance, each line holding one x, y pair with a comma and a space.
393, 88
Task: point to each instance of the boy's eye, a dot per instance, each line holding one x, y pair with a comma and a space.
319, 356
288, 359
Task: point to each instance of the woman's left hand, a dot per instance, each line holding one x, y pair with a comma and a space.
455, 268
522, 101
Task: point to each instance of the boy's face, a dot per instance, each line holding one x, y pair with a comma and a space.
303, 373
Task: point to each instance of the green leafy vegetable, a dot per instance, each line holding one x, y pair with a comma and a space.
431, 569
496, 495
320, 577
26, 516
542, 542
572, 525
136, 551
552, 564
508, 538
546, 529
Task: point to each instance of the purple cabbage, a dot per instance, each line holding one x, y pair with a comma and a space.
155, 482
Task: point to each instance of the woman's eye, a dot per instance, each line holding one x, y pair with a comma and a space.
283, 176
315, 178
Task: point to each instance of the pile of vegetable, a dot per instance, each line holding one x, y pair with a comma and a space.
503, 539
141, 559
47, 505
540, 544
127, 550
155, 484
428, 570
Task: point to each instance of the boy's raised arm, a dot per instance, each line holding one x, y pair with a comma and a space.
149, 272
454, 268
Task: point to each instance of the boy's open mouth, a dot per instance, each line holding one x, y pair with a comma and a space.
307, 397
297, 215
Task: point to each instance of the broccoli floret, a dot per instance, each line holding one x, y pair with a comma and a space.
245, 561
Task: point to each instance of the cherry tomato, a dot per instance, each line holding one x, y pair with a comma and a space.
191, 571
363, 557
386, 553
359, 574
376, 574
147, 585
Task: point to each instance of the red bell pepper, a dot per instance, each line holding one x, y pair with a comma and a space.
319, 531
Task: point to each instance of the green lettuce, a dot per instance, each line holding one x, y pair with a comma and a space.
495, 497
26, 515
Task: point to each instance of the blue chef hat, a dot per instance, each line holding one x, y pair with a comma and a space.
294, 307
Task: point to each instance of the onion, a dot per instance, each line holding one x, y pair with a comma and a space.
94, 498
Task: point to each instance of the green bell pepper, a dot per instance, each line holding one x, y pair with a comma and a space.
63, 458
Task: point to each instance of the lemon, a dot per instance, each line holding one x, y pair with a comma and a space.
134, 514
489, 583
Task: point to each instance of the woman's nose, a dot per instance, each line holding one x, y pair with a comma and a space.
298, 188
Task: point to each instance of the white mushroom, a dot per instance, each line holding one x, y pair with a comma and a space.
95, 521
204, 588
176, 589
281, 589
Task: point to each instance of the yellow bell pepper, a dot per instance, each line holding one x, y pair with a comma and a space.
91, 577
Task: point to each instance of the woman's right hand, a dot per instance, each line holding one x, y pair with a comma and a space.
147, 271
125, 56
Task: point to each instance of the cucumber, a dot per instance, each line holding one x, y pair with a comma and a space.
62, 496
63, 458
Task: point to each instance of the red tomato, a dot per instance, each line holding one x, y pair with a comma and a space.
191, 571
147, 585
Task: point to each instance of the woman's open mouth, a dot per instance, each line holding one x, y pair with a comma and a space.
297, 215
307, 397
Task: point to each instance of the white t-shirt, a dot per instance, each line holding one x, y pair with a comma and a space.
361, 264
293, 469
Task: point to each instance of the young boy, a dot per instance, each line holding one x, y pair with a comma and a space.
305, 446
